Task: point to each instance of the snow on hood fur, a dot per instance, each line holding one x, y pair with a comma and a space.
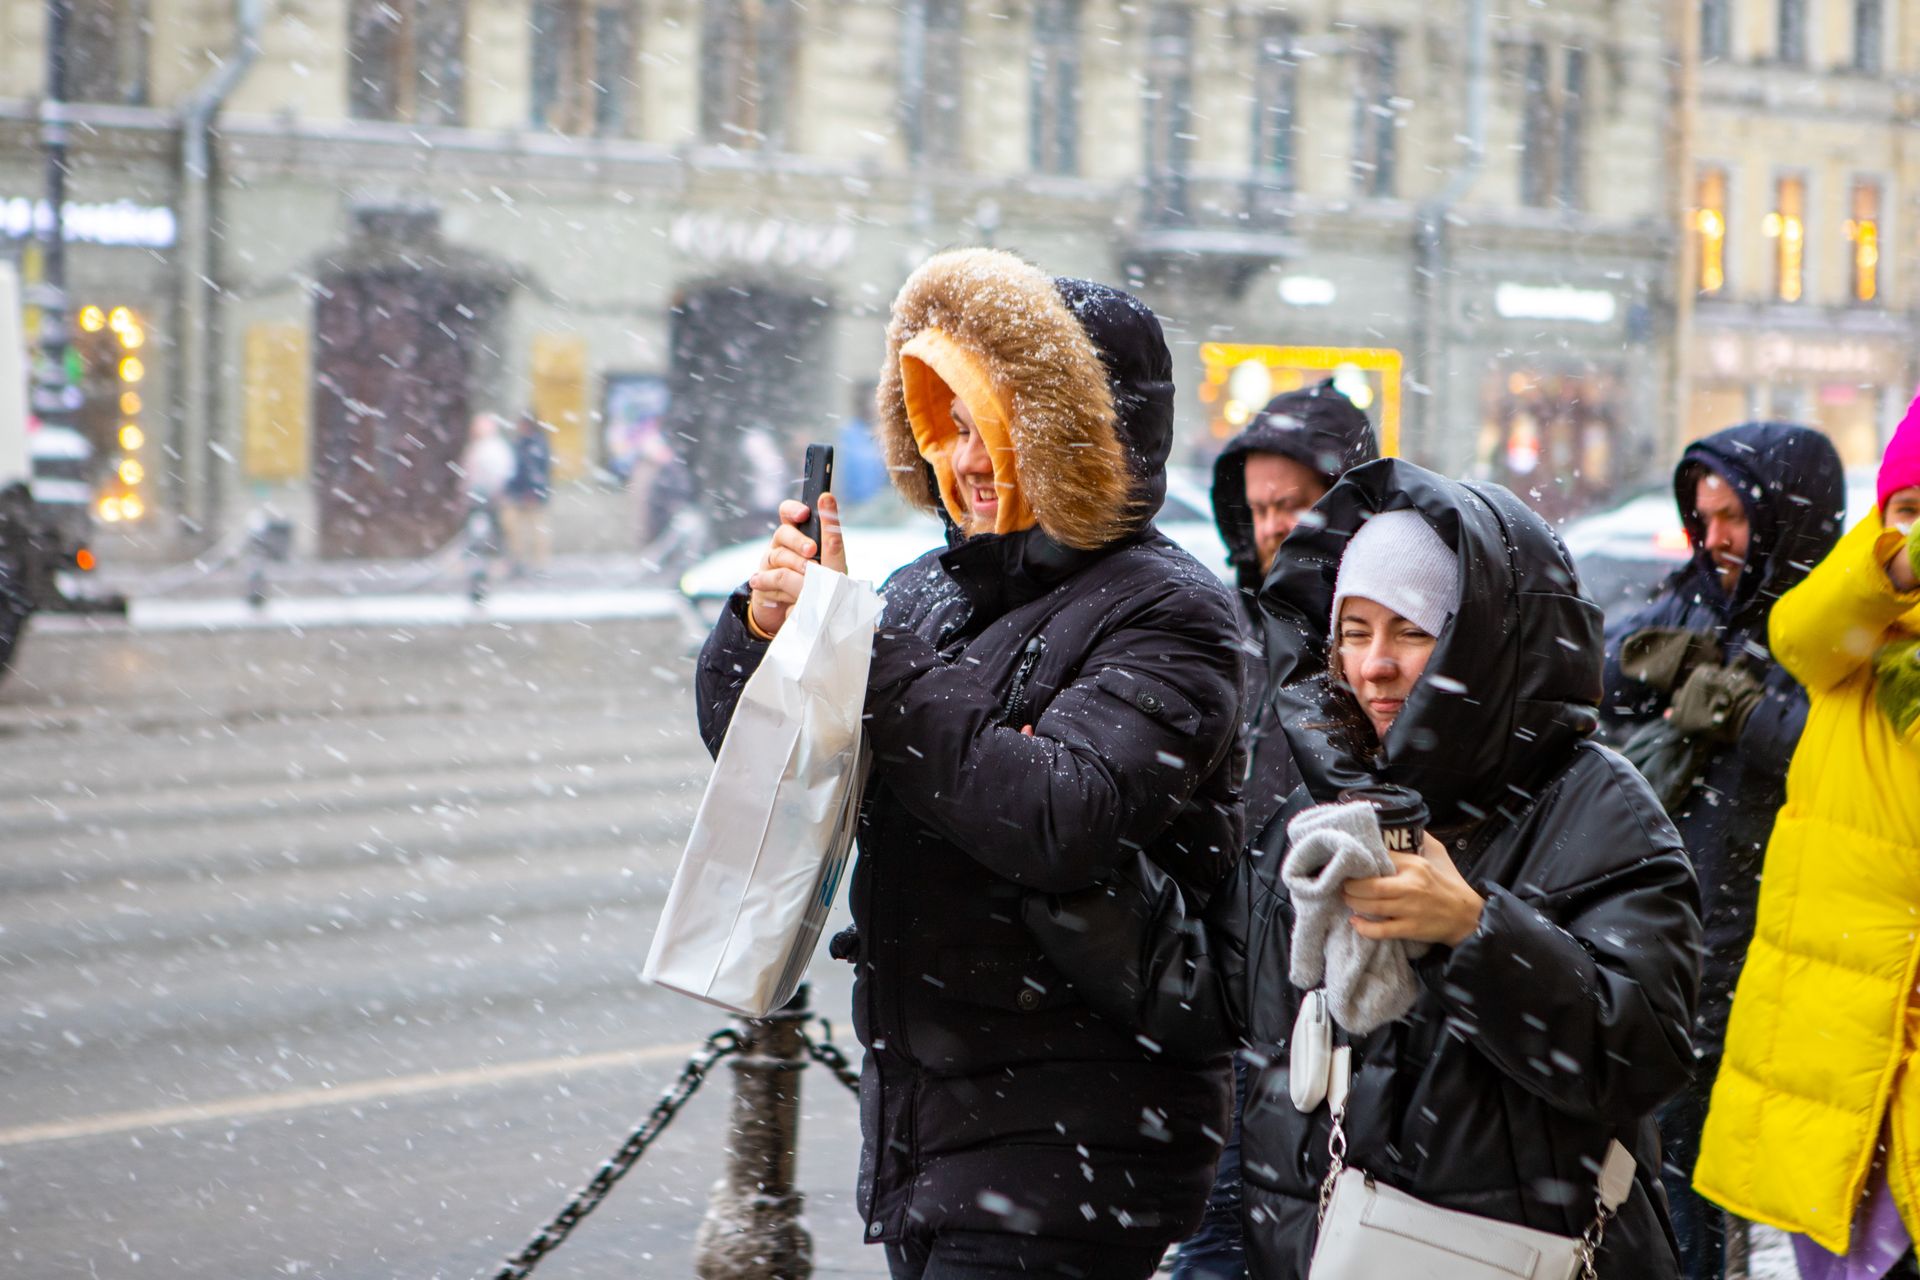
1091, 421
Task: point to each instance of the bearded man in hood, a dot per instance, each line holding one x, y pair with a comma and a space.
1052, 696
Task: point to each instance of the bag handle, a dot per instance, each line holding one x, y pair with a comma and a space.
1614, 1184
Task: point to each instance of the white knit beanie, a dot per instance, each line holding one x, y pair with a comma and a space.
1396, 559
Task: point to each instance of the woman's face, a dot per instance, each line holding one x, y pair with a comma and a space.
1903, 507
1381, 656
973, 472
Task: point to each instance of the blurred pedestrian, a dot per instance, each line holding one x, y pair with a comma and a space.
1264, 481
1516, 995
486, 465
527, 493
859, 471
1815, 1120
1053, 696
1717, 717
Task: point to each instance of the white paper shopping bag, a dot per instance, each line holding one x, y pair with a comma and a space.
776, 825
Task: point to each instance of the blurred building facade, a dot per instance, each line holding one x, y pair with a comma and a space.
658, 222
1802, 202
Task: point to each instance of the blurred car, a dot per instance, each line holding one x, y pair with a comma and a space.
884, 533
1625, 552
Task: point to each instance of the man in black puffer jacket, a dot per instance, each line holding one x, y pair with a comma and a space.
1559, 1020
1762, 504
1052, 698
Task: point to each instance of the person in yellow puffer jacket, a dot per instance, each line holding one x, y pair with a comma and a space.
1814, 1124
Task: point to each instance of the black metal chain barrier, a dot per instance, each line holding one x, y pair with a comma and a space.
825, 1052
588, 1198
717, 1046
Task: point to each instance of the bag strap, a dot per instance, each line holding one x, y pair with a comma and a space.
1614, 1184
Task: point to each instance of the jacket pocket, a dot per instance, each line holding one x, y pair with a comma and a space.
1011, 978
1152, 697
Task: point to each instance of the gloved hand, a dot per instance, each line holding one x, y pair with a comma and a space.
1896, 680
1913, 549
1660, 657
1715, 702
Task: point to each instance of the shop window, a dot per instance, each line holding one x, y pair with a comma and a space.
583, 61
747, 52
1375, 114
1869, 34
1276, 75
1792, 32
1786, 226
1053, 88
1863, 235
107, 51
1554, 437
1710, 229
406, 60
933, 67
1716, 28
1169, 106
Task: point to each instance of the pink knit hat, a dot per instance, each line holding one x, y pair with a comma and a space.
1900, 467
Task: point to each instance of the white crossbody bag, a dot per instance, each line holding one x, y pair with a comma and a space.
1369, 1230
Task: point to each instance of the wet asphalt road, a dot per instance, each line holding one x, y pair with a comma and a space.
319, 956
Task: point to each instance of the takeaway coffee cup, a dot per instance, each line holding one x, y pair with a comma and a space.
1401, 812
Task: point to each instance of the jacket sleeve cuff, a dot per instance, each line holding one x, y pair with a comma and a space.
1513, 945
735, 633
898, 656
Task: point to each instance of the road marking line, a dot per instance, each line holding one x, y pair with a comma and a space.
307, 1099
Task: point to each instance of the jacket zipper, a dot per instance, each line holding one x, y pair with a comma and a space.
1015, 707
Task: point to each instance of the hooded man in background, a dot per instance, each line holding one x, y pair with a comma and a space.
1695, 698
1266, 479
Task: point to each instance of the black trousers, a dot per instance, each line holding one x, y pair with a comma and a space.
994, 1255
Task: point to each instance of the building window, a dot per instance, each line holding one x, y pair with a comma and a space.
933, 67
583, 59
1552, 130
107, 51
1053, 99
1863, 233
1716, 28
1276, 75
1169, 100
1571, 148
1710, 230
406, 60
1375, 117
1869, 34
746, 71
1792, 34
1536, 130
1786, 226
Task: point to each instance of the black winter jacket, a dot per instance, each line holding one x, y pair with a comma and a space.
1562, 1022
993, 1098
1790, 481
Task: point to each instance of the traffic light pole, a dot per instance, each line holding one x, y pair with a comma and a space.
53, 396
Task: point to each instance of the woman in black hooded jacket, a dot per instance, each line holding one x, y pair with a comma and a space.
1561, 1020
1052, 697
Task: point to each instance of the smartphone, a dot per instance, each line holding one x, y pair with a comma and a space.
816, 480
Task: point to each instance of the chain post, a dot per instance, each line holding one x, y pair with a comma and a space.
752, 1226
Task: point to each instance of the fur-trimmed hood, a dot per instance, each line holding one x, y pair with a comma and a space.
1083, 370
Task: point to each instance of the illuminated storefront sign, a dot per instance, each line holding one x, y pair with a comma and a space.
1554, 302
121, 224
1242, 376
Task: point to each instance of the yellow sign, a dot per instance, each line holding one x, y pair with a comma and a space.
275, 406
1242, 376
